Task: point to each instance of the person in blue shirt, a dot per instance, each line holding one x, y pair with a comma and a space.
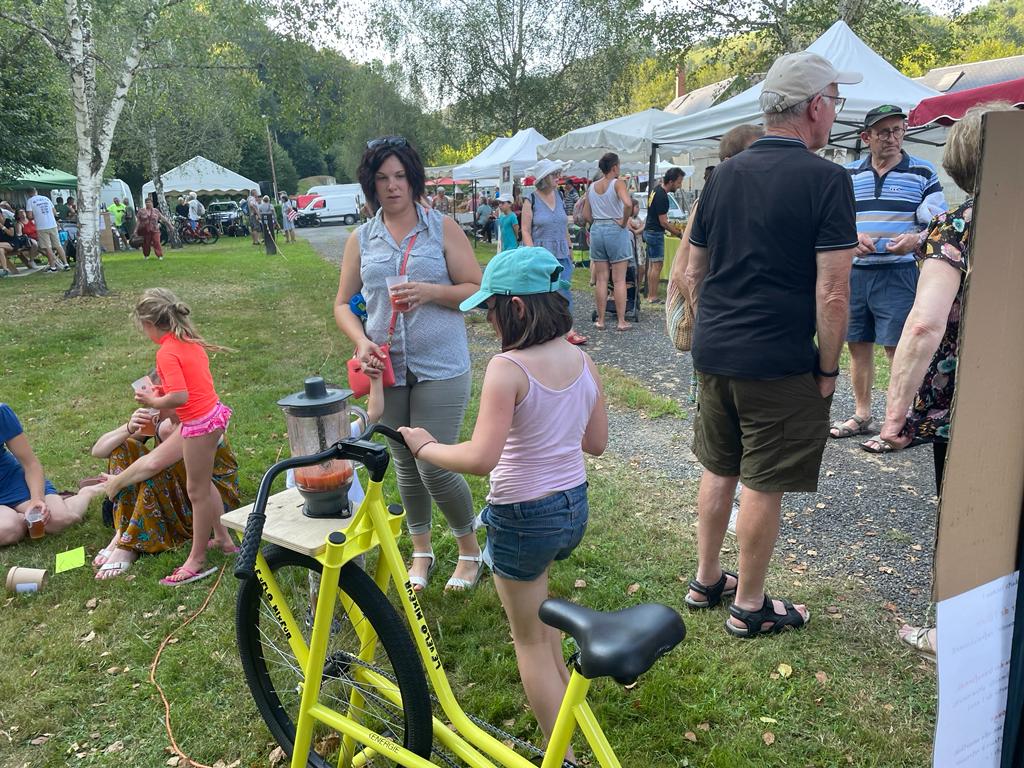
508, 225
484, 220
23, 486
897, 195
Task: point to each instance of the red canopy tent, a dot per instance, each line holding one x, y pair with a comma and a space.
947, 108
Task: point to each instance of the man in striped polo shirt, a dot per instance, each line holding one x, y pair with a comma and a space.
897, 194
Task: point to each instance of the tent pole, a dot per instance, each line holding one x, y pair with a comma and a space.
476, 234
650, 170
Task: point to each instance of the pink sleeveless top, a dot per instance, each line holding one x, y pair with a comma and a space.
542, 453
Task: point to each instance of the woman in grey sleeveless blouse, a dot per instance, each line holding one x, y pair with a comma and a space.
429, 349
546, 225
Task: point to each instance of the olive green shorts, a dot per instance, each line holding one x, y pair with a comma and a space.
770, 433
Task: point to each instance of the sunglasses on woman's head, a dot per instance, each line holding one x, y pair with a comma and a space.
387, 141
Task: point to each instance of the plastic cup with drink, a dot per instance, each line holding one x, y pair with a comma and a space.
145, 384
36, 522
394, 281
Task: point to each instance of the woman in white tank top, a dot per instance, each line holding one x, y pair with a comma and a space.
607, 206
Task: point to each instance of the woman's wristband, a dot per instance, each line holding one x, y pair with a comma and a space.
416, 453
128, 428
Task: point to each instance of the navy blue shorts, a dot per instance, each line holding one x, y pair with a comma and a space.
524, 539
880, 300
655, 245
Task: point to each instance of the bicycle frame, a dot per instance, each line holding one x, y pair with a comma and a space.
374, 527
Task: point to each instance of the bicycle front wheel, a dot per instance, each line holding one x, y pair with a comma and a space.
366, 691
209, 235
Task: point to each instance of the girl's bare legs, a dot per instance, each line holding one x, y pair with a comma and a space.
207, 507
619, 292
538, 649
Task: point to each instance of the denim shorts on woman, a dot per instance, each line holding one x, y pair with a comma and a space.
524, 539
610, 242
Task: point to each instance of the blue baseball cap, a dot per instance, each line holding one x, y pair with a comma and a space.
518, 272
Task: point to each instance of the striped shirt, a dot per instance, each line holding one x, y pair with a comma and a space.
903, 200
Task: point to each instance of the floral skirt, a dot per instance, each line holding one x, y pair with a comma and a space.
155, 515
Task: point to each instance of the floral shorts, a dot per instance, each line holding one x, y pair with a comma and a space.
217, 418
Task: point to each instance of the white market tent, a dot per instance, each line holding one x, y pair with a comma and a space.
631, 137
204, 177
519, 150
882, 84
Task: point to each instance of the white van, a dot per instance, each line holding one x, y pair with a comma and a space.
328, 190
334, 209
117, 188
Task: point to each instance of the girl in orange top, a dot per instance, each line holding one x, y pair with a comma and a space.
188, 389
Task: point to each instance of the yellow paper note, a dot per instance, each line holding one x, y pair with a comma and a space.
73, 558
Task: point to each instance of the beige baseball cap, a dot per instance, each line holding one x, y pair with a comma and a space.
796, 77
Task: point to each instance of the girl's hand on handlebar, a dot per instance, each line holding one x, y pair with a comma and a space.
416, 438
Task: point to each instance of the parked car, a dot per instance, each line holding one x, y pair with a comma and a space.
334, 209
227, 216
675, 211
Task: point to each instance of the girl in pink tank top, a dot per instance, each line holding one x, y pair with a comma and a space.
541, 409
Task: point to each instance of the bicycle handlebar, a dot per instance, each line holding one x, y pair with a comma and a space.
371, 455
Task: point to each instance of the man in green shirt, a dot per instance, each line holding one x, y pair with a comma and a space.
116, 211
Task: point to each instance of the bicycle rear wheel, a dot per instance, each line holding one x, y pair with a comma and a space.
208, 235
188, 237
274, 675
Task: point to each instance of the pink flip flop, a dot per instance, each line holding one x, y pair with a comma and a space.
189, 576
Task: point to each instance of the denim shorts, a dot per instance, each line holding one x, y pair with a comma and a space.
610, 242
524, 539
655, 245
880, 300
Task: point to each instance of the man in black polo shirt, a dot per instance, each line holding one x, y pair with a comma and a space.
771, 247
655, 228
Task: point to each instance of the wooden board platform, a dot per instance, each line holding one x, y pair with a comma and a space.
287, 526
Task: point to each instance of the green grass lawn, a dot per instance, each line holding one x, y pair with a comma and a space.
76, 656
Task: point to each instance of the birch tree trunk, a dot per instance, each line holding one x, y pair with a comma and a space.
158, 184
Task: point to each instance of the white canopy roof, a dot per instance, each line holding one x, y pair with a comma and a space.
204, 177
630, 137
520, 150
882, 84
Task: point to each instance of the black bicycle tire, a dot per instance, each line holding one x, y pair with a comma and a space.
187, 236
393, 634
212, 235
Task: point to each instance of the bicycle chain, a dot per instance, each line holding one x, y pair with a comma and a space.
494, 730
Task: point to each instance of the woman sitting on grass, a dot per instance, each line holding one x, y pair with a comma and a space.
537, 506
148, 491
23, 486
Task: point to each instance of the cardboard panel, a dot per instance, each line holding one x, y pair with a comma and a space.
983, 486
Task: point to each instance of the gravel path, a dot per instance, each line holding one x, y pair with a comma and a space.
873, 518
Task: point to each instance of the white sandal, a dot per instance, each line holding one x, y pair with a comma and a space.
419, 583
456, 584
114, 568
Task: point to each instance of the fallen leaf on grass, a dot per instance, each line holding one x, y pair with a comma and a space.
832, 609
785, 670
88, 638
91, 603
768, 738
704, 727
113, 670
117, 746
771, 720
38, 741
632, 589
821, 677
690, 736
580, 584
173, 761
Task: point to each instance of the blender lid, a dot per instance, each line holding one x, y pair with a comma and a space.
314, 397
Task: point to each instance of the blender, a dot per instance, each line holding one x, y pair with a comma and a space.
317, 418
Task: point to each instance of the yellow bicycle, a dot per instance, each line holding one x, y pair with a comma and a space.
340, 676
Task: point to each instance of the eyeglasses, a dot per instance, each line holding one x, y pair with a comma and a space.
891, 133
387, 141
838, 101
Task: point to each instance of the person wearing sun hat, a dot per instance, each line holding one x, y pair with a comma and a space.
546, 224
541, 410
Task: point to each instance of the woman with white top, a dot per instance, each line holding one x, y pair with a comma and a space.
608, 206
